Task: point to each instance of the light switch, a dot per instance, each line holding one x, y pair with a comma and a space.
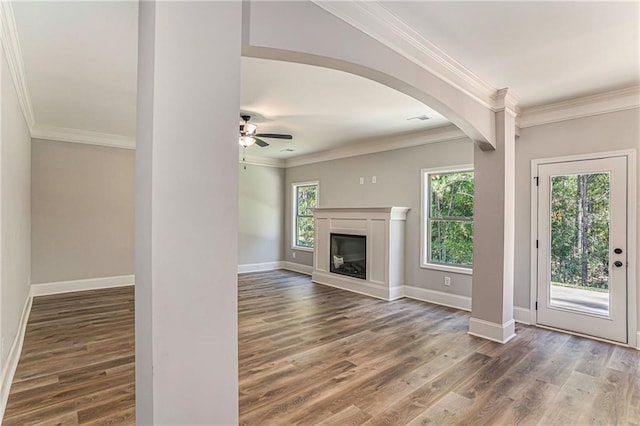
361, 180
373, 179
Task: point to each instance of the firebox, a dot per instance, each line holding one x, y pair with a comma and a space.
348, 255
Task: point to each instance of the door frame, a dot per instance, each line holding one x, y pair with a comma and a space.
633, 318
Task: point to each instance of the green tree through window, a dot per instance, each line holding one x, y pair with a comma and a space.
306, 199
449, 218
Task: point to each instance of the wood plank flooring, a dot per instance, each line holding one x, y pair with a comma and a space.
310, 354
77, 361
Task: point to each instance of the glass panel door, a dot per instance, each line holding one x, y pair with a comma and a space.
581, 276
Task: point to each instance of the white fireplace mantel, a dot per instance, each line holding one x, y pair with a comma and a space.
384, 228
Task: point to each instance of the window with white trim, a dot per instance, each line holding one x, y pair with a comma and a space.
305, 199
447, 219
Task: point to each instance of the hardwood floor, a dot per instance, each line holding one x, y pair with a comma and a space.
310, 354
77, 361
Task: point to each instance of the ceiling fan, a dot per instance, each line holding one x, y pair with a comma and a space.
248, 135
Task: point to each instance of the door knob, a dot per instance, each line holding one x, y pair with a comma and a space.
617, 264
618, 251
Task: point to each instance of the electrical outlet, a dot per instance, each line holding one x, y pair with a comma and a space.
293, 254
361, 180
447, 281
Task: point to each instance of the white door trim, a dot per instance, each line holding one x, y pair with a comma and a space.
632, 286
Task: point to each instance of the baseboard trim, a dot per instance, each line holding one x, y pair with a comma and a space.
522, 315
81, 285
396, 293
500, 333
9, 368
638, 341
260, 267
438, 297
298, 267
367, 289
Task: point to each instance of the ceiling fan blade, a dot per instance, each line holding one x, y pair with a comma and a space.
261, 143
274, 136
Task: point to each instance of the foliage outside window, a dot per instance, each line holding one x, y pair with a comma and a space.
448, 218
305, 197
580, 211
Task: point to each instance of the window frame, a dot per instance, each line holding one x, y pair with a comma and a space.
294, 211
425, 230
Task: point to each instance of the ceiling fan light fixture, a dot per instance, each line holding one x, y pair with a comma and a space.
249, 128
247, 141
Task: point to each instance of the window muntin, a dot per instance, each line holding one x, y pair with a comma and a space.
448, 218
305, 197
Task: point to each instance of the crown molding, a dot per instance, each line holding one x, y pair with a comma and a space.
586, 106
255, 160
83, 136
440, 134
506, 100
373, 19
13, 54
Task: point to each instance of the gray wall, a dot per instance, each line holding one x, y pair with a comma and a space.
398, 184
15, 222
82, 211
261, 214
600, 133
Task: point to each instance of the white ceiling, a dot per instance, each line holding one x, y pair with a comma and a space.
80, 65
80, 60
546, 51
323, 108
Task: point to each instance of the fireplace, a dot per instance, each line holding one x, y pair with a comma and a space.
348, 255
370, 240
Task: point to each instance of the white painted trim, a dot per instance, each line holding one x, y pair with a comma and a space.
294, 212
255, 160
424, 208
523, 315
298, 267
633, 313
83, 136
372, 146
586, 106
396, 293
500, 333
373, 19
364, 288
533, 261
9, 368
13, 53
81, 285
438, 297
259, 267
638, 341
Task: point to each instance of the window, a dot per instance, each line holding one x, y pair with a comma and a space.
305, 198
447, 219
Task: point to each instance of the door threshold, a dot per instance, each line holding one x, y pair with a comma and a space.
574, 333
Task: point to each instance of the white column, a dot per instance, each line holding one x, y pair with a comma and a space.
494, 218
186, 212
